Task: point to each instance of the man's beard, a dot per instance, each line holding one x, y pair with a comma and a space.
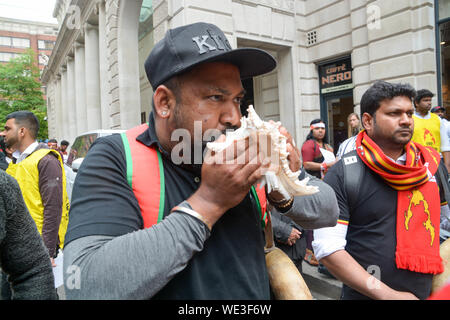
198, 145
11, 142
393, 139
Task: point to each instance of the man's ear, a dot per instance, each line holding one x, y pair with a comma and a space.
164, 101
22, 131
368, 122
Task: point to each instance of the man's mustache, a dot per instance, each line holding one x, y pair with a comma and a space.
213, 135
405, 129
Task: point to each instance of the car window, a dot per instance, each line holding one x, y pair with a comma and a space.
82, 144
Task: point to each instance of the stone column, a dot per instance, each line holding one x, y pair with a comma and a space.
93, 104
71, 99
128, 64
103, 62
64, 106
80, 88
58, 109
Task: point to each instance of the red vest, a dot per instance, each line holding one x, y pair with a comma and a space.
145, 175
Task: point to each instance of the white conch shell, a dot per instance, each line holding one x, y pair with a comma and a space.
281, 179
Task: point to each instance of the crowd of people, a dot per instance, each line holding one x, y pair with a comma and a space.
141, 226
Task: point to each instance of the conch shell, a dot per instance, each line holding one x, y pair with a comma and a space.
279, 177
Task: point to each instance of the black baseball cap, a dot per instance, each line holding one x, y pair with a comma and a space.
185, 47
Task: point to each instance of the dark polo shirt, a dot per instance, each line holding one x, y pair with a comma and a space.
232, 263
372, 236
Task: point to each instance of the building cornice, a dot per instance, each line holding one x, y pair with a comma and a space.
69, 32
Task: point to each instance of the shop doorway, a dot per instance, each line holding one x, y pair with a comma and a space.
336, 98
337, 109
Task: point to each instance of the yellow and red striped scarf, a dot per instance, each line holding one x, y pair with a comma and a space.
418, 205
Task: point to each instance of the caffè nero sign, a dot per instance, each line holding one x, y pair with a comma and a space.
336, 76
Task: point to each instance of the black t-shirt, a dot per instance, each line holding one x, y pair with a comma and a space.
371, 235
232, 263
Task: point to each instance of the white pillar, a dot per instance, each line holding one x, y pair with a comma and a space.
58, 109
103, 61
64, 106
93, 107
71, 99
128, 63
80, 88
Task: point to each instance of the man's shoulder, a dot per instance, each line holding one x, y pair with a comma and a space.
350, 165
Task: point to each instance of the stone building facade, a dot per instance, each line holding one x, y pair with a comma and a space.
328, 54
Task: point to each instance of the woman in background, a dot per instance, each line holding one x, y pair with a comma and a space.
317, 154
354, 127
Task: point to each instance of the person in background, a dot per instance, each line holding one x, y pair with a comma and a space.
354, 127
53, 144
440, 112
26, 268
317, 154
63, 149
41, 177
289, 238
385, 245
429, 129
3, 162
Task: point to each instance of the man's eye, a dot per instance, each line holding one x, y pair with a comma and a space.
216, 97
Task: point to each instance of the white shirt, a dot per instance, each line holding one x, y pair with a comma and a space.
29, 150
346, 146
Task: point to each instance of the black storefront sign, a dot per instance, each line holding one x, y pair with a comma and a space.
336, 76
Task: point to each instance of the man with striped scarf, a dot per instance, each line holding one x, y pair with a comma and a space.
386, 242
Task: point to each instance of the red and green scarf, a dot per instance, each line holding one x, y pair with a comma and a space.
418, 204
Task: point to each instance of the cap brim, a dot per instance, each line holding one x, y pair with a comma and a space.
250, 61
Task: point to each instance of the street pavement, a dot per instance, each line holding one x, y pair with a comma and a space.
322, 287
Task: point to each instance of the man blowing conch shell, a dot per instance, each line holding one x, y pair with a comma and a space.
145, 225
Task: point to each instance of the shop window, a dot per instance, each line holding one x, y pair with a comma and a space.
6, 56
20, 43
5, 41
444, 9
46, 44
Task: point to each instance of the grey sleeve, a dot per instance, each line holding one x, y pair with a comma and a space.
315, 211
133, 266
